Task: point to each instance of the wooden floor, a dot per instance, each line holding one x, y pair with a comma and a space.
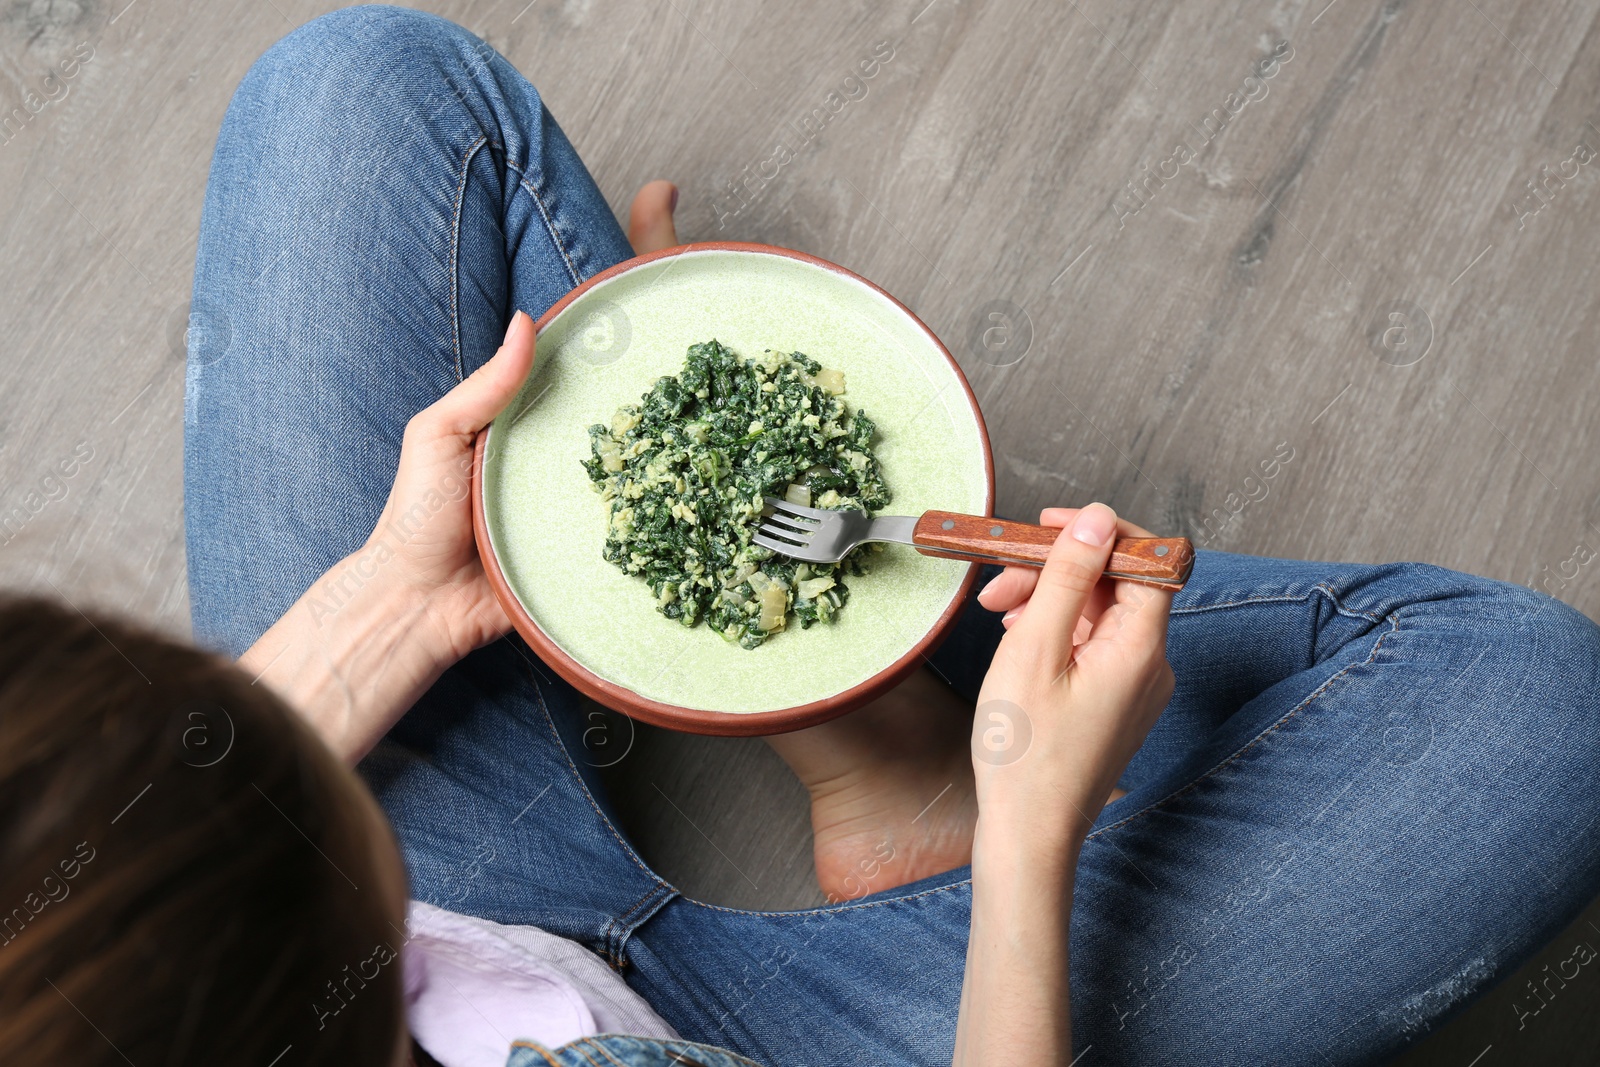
1167, 242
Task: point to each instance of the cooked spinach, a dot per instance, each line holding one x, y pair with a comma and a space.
685, 472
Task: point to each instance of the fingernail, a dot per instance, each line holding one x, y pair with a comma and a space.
674, 205
515, 326
990, 584
1010, 617
1094, 525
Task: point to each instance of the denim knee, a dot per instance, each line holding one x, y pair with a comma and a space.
361, 105
1531, 626
358, 71
1539, 669
1495, 674
342, 44
1534, 788
1513, 613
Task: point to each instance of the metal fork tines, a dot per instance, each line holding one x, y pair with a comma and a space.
814, 535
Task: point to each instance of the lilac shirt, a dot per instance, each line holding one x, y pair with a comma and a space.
474, 986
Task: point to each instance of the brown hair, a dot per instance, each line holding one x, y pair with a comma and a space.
186, 874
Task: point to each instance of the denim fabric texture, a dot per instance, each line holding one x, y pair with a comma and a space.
618, 1050
1374, 793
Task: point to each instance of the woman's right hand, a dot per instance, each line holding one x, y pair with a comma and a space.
1076, 684
1009, 592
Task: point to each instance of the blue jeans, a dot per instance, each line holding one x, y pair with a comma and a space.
1374, 793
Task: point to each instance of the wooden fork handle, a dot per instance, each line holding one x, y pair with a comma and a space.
1164, 562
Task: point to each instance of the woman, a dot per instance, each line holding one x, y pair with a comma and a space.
1349, 753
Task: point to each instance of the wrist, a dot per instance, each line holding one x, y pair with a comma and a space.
1035, 808
354, 653
365, 602
1016, 1005
1032, 852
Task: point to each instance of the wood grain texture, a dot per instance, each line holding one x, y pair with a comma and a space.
1201, 345
1164, 562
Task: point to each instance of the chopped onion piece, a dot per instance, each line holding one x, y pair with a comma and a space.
808, 590
798, 494
774, 604
830, 381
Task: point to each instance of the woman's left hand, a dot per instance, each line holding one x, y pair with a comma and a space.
370, 636
425, 531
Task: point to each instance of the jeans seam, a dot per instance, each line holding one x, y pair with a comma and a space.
602, 1050
660, 883
638, 905
455, 238
1320, 587
674, 1046
455, 251
616, 923
1394, 626
802, 915
698, 1047
549, 224
540, 1049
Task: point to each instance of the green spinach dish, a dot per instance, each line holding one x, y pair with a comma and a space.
685, 471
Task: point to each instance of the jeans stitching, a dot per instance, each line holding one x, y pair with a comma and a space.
455, 251
540, 1049
642, 903
682, 1047
549, 224
616, 923
603, 1051
1320, 587
1394, 626
829, 911
660, 883
638, 905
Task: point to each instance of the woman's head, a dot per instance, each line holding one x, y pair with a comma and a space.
186, 874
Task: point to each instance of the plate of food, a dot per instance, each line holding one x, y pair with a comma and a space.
616, 500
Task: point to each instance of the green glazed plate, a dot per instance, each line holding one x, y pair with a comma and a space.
544, 524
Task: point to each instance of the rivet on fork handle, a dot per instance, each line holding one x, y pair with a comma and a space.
1163, 562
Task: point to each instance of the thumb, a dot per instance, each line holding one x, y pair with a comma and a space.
1068, 580
470, 406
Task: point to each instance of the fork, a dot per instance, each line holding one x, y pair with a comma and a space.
813, 535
